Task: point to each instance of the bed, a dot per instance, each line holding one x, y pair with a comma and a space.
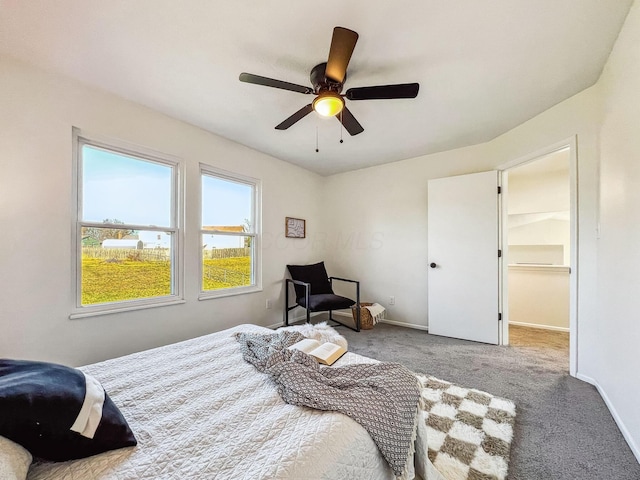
200, 412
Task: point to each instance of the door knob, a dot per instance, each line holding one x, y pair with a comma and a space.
432, 265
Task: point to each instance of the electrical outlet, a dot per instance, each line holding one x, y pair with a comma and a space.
392, 300
268, 304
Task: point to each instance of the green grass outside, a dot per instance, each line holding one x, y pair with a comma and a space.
112, 281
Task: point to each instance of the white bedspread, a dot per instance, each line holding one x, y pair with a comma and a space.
200, 412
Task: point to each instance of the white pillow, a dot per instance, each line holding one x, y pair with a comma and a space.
14, 460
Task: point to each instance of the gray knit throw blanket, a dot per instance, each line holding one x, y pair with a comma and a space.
382, 397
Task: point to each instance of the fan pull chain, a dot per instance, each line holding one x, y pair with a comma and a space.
317, 150
341, 125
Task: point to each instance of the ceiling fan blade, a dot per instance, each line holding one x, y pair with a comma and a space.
349, 121
342, 45
270, 82
383, 92
299, 115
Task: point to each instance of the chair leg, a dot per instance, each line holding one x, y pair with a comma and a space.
286, 304
340, 324
358, 306
307, 298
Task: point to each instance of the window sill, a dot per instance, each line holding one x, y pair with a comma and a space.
124, 308
228, 292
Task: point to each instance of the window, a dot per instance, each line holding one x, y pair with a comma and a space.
229, 233
126, 228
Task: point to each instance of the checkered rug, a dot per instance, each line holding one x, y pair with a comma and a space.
469, 432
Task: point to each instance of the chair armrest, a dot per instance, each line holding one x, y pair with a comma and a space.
307, 289
344, 279
307, 295
298, 282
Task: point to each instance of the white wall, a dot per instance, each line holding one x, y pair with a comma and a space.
37, 112
538, 206
544, 232
539, 296
548, 192
618, 361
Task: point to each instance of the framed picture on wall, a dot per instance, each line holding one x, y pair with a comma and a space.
295, 227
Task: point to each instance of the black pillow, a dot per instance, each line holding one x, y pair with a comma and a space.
40, 402
314, 274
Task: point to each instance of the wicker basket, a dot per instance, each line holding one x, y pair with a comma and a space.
366, 320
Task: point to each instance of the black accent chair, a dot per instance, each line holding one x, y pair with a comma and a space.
314, 293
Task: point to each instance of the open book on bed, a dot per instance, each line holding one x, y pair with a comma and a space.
326, 353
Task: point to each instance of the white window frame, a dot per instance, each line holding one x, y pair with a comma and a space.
256, 236
81, 138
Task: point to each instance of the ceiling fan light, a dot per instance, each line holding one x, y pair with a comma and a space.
328, 105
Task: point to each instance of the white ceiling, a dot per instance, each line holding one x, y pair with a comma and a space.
483, 66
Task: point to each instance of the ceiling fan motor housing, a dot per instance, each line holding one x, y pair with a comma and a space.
320, 81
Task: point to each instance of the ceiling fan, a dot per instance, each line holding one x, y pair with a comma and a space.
328, 80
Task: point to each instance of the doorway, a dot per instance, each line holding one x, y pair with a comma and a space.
539, 237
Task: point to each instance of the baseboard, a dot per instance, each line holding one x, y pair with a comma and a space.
293, 320
404, 324
386, 320
542, 327
623, 429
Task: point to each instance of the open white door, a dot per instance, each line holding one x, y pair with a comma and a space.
463, 255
